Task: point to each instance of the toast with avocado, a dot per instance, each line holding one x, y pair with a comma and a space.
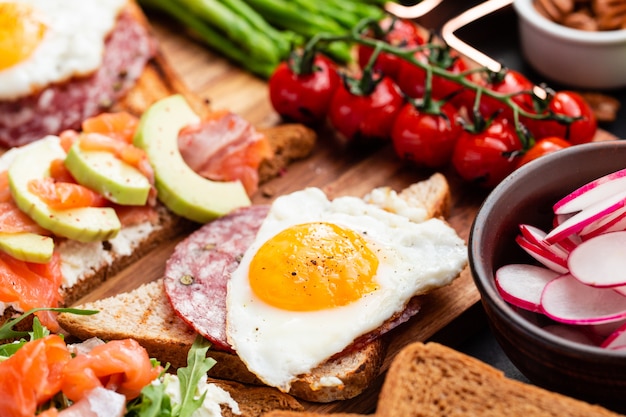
146, 314
70, 236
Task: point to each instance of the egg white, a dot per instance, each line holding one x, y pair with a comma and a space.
73, 44
279, 345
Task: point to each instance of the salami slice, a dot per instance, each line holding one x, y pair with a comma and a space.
197, 273
66, 105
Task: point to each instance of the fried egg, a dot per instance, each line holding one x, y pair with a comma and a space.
51, 41
320, 273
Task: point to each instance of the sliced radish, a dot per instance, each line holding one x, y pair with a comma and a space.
567, 300
617, 338
621, 348
522, 285
585, 217
537, 236
593, 192
618, 226
602, 224
571, 333
621, 290
604, 330
543, 256
600, 261
560, 218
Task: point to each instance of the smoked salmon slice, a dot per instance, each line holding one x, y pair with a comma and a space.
119, 125
31, 285
32, 376
120, 365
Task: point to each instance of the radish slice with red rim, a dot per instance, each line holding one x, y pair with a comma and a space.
537, 237
522, 285
600, 261
604, 330
617, 338
621, 290
544, 256
593, 192
621, 348
585, 217
571, 333
602, 225
567, 300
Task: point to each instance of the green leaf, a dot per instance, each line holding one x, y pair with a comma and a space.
198, 364
7, 331
153, 402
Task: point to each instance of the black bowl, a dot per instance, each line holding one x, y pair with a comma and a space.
526, 196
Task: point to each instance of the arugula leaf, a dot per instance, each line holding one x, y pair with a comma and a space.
7, 331
197, 367
153, 402
39, 330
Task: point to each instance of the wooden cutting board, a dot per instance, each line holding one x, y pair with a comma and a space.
338, 171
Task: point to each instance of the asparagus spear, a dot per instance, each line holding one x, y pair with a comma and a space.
211, 37
238, 30
282, 39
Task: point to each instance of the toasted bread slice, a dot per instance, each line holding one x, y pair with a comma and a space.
432, 380
146, 315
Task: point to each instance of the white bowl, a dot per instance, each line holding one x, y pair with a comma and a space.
571, 57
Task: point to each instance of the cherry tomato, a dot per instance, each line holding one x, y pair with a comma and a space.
303, 97
398, 33
412, 79
571, 104
366, 116
487, 157
543, 147
423, 138
513, 82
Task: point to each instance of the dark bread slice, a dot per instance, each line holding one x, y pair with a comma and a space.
432, 380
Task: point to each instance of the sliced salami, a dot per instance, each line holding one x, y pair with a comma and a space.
64, 106
197, 273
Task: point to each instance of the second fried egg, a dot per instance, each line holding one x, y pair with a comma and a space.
321, 273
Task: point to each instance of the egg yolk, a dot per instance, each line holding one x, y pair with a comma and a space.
20, 33
313, 266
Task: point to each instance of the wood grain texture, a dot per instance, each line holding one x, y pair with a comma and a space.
338, 171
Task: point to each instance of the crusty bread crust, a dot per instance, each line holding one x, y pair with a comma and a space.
432, 380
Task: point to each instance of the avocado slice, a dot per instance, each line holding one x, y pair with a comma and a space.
181, 189
85, 224
28, 247
103, 172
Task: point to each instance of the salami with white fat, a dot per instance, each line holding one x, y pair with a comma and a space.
197, 273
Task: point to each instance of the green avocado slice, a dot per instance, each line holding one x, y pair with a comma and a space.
113, 178
85, 224
28, 247
181, 189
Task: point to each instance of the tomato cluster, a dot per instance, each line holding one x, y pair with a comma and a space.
431, 118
